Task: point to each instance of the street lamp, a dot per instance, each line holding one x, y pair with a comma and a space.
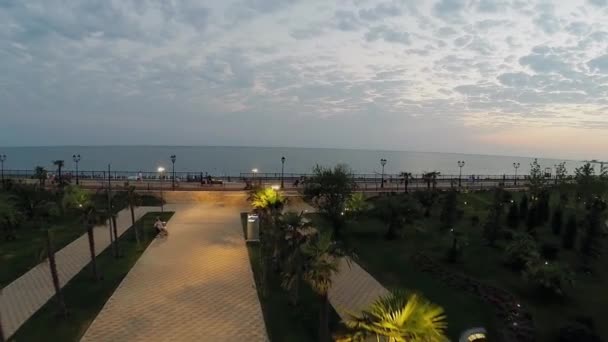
76, 159
382, 162
282, 171
516, 166
460, 165
255, 172
173, 178
2, 159
161, 170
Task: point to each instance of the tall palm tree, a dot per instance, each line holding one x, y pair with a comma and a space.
50, 252
10, 217
76, 198
322, 260
430, 178
269, 203
133, 200
40, 174
400, 317
297, 233
406, 176
59, 164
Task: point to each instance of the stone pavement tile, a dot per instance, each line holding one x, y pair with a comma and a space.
20, 299
353, 289
195, 285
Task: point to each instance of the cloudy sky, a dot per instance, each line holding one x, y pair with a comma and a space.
482, 76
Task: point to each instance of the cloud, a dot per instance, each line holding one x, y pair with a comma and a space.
232, 69
599, 64
388, 35
346, 20
449, 8
491, 6
599, 3
543, 61
380, 12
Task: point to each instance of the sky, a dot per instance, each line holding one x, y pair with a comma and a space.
510, 77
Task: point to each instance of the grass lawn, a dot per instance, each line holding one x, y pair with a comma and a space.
84, 297
27, 251
285, 322
389, 262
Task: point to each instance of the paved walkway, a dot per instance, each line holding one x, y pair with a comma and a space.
195, 285
353, 289
20, 299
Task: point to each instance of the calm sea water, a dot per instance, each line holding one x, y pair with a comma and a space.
234, 160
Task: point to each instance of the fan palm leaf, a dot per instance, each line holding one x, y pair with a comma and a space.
400, 317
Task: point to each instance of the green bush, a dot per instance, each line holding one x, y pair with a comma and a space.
549, 277
521, 250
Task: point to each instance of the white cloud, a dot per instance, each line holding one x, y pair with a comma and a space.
261, 63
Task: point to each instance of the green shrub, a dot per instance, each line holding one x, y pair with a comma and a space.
521, 250
549, 277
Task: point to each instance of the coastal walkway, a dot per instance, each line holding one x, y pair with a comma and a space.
194, 285
20, 299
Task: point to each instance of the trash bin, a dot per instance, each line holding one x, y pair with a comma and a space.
253, 227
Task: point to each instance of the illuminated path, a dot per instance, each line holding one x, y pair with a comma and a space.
195, 285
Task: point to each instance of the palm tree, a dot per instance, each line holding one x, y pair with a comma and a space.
430, 178
59, 164
10, 217
321, 263
78, 199
406, 179
394, 212
40, 174
50, 251
297, 233
269, 203
134, 200
400, 317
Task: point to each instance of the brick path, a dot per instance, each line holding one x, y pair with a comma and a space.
196, 285
353, 290
20, 299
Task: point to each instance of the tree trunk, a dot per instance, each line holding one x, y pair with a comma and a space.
391, 233
115, 230
91, 237
405, 186
53, 266
135, 228
324, 319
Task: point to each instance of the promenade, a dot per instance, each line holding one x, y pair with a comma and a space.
195, 285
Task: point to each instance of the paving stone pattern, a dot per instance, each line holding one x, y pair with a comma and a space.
20, 299
194, 285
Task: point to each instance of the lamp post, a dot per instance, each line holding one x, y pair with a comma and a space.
282, 171
516, 166
2, 159
383, 163
255, 172
460, 165
173, 177
76, 159
161, 170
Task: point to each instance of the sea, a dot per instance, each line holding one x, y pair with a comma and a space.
232, 161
